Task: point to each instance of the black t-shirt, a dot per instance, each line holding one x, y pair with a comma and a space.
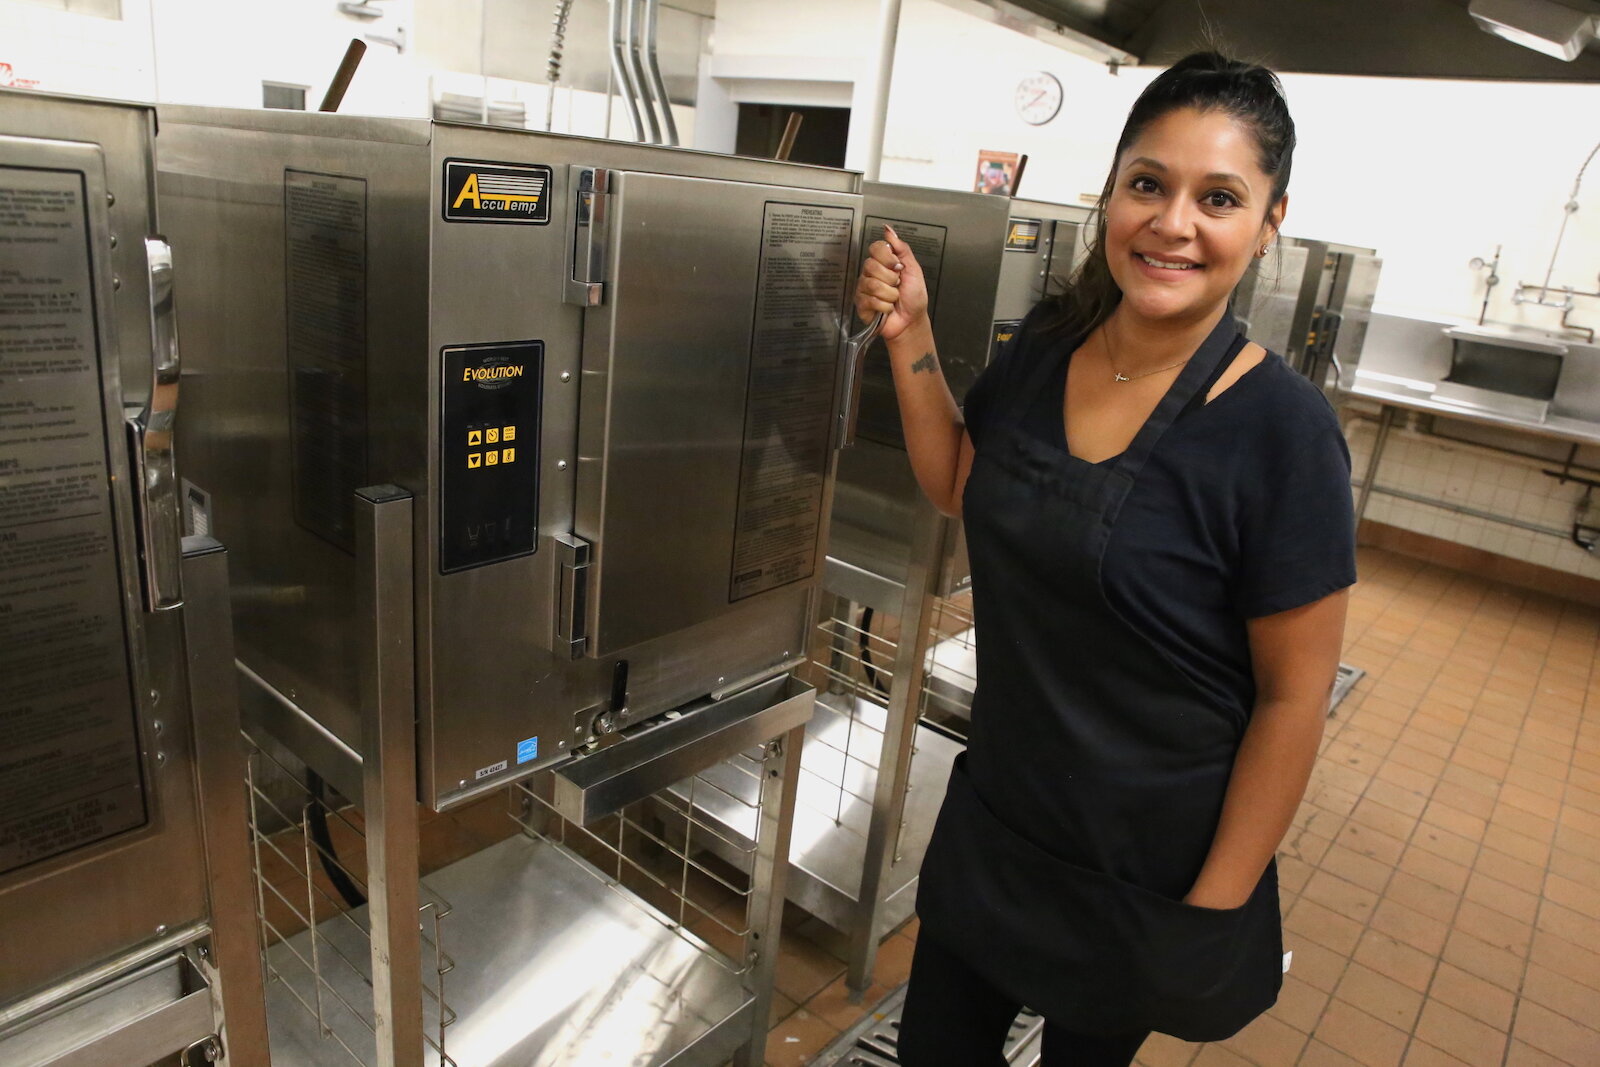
1242, 510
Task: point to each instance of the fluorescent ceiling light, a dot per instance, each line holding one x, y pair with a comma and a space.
1542, 25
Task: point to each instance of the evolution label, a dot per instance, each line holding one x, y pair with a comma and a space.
496, 192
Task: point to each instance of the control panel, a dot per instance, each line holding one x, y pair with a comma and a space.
488, 453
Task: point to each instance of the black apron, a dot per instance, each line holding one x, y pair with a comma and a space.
1093, 782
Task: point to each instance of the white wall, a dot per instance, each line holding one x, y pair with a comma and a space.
218, 53
1430, 173
65, 52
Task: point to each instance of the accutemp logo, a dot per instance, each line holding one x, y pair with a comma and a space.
1023, 235
496, 192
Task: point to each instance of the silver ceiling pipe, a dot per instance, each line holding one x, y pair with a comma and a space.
653, 65
641, 82
621, 72
558, 43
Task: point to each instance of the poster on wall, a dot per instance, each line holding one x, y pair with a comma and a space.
996, 171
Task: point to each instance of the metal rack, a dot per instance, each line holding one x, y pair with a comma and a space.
323, 966
871, 776
672, 961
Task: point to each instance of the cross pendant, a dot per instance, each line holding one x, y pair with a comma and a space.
1122, 377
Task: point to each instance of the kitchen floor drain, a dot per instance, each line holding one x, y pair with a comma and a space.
1343, 682
875, 1040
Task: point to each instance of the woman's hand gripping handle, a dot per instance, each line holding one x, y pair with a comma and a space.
891, 284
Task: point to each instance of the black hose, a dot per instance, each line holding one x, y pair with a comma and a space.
317, 821
866, 655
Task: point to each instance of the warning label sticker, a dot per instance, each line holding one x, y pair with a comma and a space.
805, 271
70, 771
1023, 236
476, 191
325, 312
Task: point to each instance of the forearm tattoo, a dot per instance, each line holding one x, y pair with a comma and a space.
926, 363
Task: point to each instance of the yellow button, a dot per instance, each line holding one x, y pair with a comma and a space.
490, 458
508, 455
474, 437
491, 436
508, 434
475, 458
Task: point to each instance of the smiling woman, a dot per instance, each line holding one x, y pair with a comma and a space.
1159, 522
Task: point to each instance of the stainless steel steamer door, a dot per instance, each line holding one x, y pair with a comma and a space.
70, 767
708, 399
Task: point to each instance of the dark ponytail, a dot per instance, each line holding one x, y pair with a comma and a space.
1205, 81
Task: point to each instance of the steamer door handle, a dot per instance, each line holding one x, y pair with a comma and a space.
150, 439
855, 350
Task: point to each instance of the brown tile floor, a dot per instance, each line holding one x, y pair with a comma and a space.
1441, 883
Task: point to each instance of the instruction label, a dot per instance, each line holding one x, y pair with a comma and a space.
70, 772
927, 242
325, 301
794, 357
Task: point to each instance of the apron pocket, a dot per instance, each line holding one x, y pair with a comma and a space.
1084, 948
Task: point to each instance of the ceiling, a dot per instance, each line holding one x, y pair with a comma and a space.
1408, 38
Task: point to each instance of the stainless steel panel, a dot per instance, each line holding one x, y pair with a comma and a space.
967, 230
874, 511
73, 774
224, 181
54, 918
485, 695
720, 419
1268, 298
235, 949
876, 497
1405, 359
1360, 290
1320, 306
383, 535
565, 968
489, 687
1026, 277
1491, 402
661, 753
139, 1018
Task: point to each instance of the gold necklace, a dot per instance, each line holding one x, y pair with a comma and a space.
1117, 375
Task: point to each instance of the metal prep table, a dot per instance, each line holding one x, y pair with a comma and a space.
1407, 361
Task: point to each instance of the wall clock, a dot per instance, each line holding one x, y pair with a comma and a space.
1038, 98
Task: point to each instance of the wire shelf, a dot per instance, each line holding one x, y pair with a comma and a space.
951, 675
299, 905
681, 856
